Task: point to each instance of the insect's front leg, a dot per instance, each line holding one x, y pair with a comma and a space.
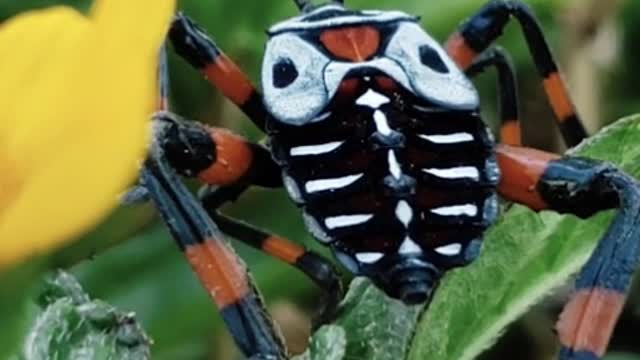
582, 187
198, 49
220, 270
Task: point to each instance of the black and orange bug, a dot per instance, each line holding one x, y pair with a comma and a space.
374, 131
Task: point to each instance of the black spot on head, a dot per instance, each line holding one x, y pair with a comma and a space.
430, 57
284, 73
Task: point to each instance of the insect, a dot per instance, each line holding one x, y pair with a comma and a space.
374, 131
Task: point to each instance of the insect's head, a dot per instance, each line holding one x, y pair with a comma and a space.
309, 57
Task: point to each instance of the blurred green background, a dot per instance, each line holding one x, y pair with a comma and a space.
131, 262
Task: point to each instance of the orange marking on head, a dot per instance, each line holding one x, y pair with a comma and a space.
220, 271
459, 51
356, 43
283, 249
510, 133
588, 320
225, 75
558, 96
233, 158
521, 169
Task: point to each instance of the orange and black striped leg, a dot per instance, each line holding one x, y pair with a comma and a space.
215, 156
507, 91
582, 187
192, 44
221, 272
481, 30
316, 267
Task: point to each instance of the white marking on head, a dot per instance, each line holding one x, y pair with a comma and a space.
449, 250
404, 213
394, 165
372, 99
409, 247
382, 125
331, 184
302, 101
346, 220
456, 210
315, 149
449, 88
462, 172
448, 138
369, 257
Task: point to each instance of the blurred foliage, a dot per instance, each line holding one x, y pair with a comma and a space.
74, 327
146, 274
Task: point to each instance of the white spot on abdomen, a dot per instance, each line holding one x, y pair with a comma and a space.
461, 172
449, 250
372, 99
381, 123
394, 165
369, 257
404, 213
315, 149
346, 220
331, 184
409, 247
449, 138
456, 210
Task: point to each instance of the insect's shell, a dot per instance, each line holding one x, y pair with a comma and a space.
379, 138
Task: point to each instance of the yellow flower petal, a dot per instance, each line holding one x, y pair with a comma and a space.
78, 99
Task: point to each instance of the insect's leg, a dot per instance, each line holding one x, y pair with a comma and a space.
582, 187
507, 91
192, 44
316, 267
215, 156
219, 269
481, 30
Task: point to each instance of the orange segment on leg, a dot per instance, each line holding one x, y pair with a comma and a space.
220, 271
283, 249
459, 51
233, 158
558, 96
225, 75
588, 320
521, 170
510, 133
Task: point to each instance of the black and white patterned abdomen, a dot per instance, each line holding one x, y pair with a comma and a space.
387, 174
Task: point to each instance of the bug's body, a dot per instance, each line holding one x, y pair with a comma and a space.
374, 131
393, 185
400, 184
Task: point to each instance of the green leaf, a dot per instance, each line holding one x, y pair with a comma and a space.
374, 326
72, 326
329, 343
525, 256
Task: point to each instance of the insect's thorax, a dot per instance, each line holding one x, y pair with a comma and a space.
383, 176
